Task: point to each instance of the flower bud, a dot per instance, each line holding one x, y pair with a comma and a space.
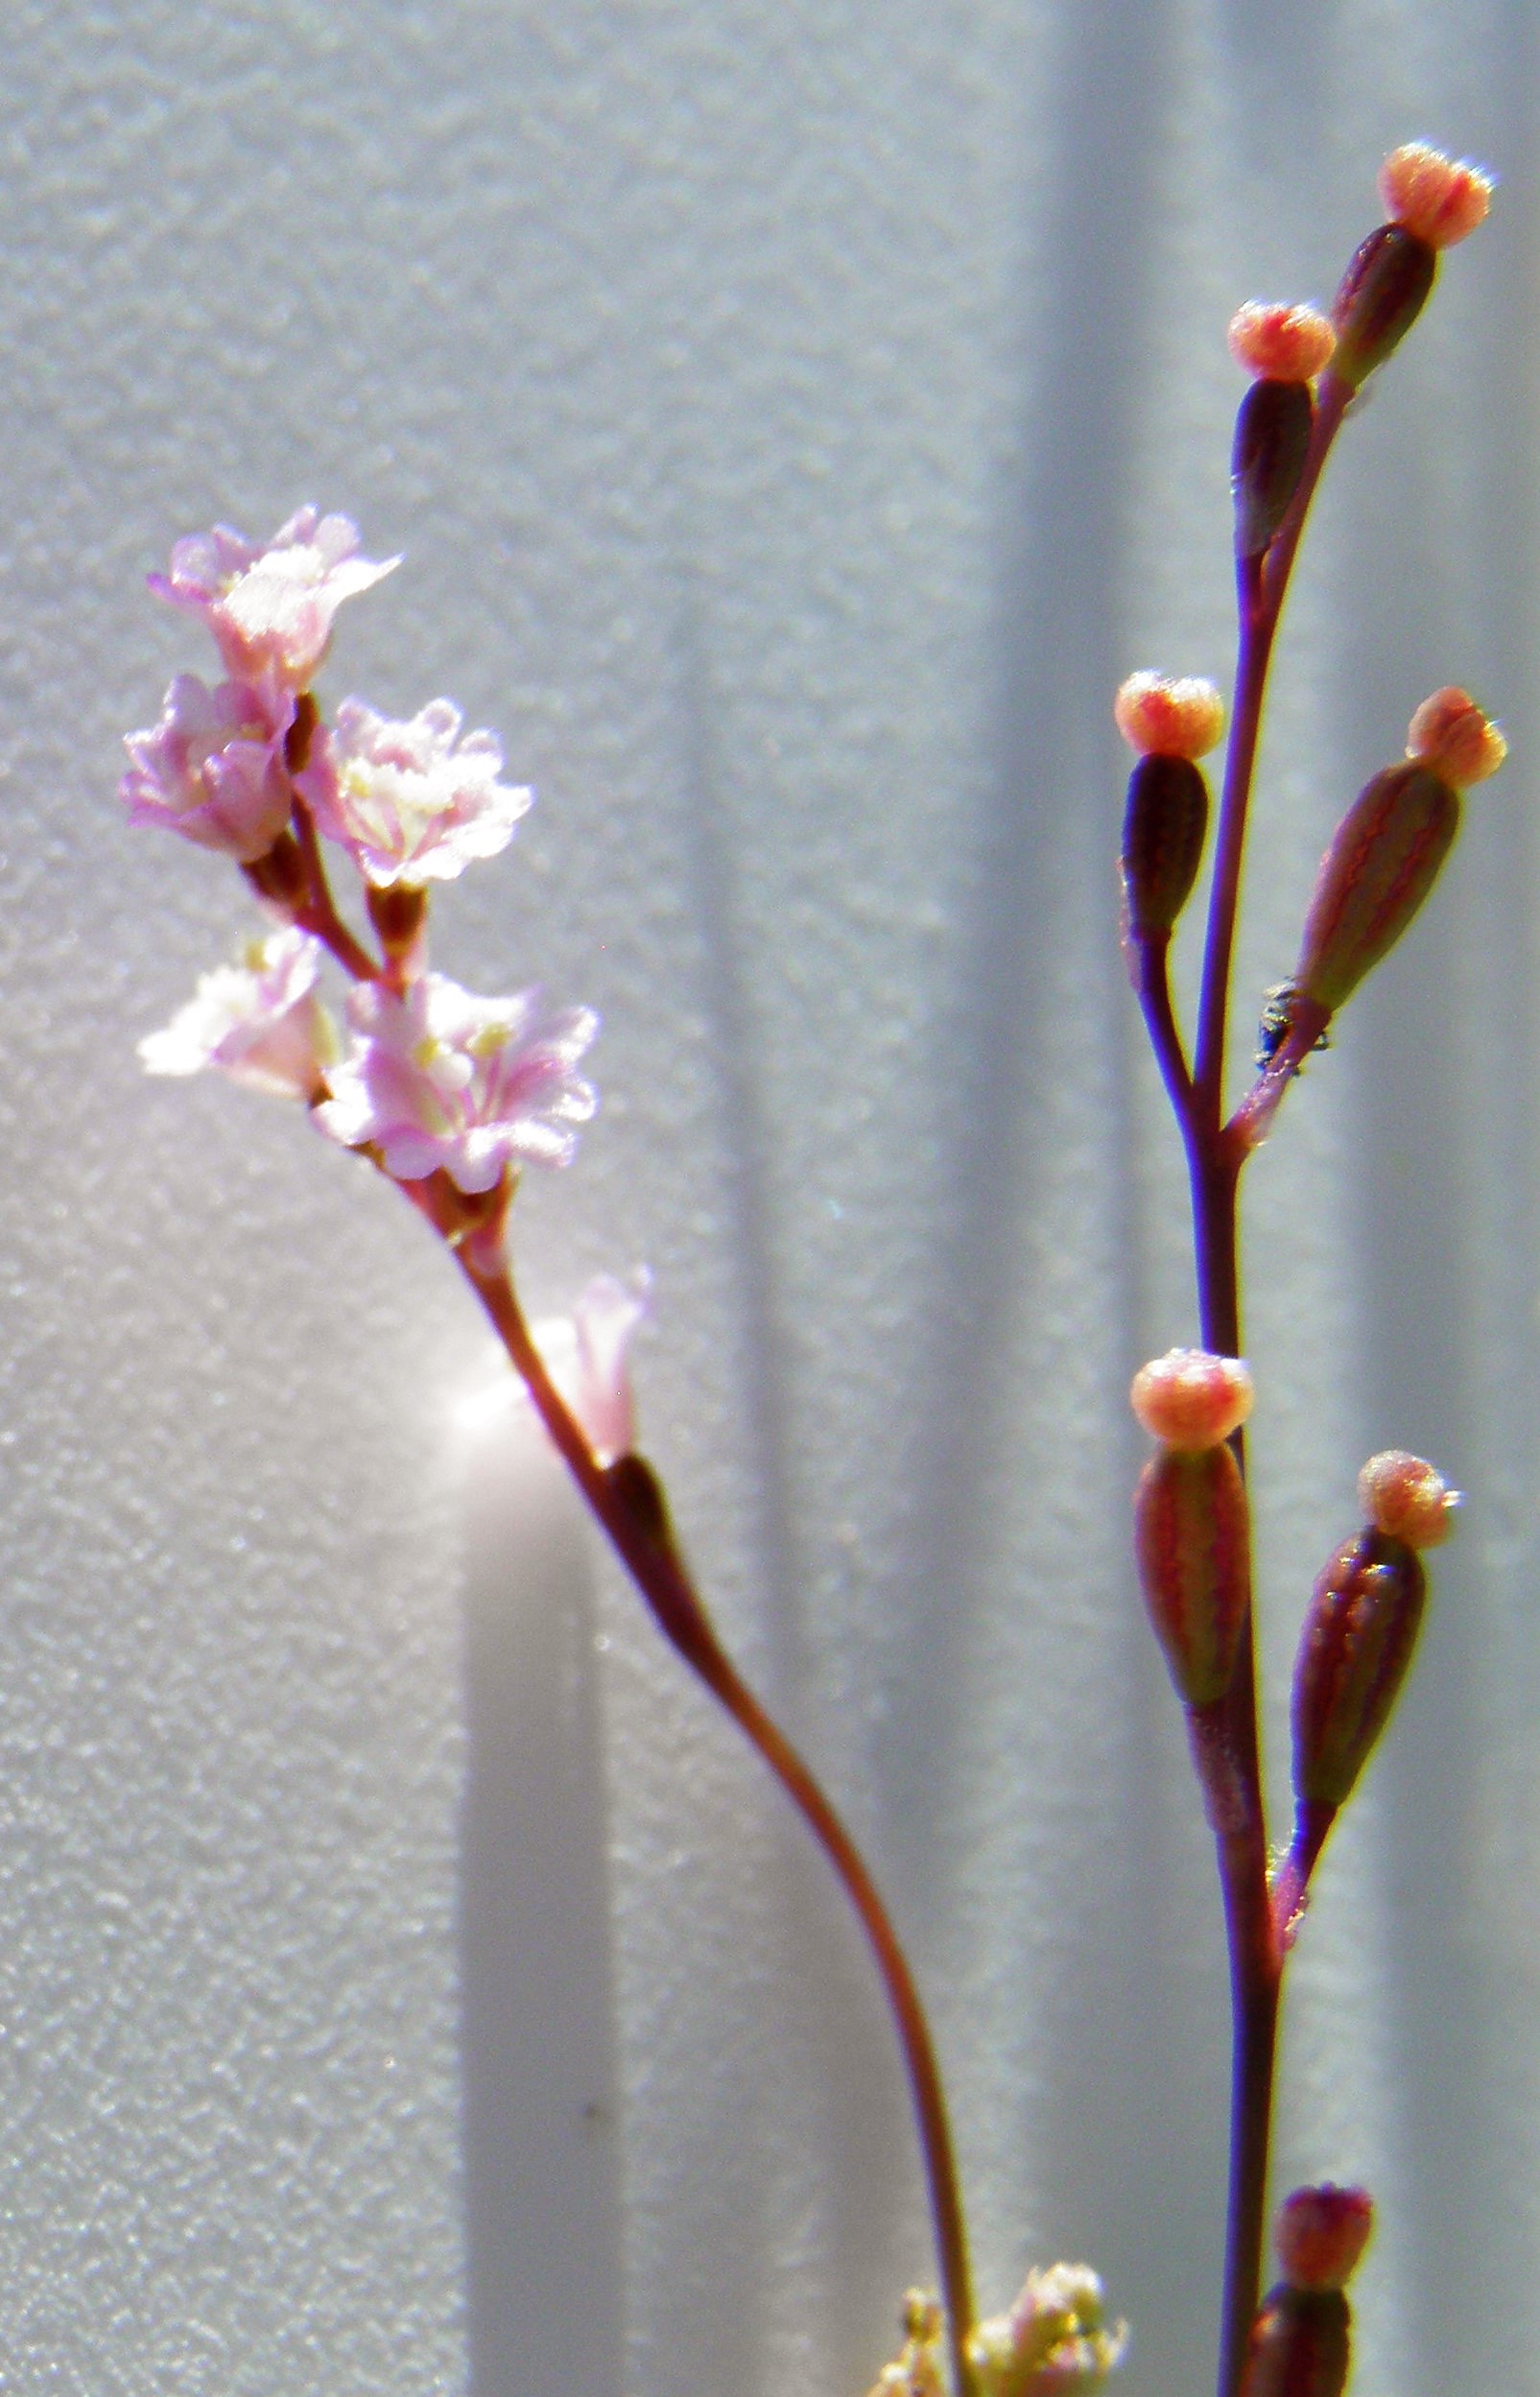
1383, 862
1271, 440
1321, 2232
1164, 824
1356, 1644
1281, 342
398, 913
1299, 2345
1453, 739
1405, 1498
1192, 1399
1438, 199
1192, 1546
1380, 298
1169, 715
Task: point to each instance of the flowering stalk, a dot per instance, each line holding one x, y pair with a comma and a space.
450, 1096
1373, 879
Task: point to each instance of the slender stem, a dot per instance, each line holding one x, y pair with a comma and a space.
317, 912
1262, 588
1160, 1020
647, 1549
1214, 1155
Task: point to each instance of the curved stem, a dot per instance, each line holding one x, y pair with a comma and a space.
1153, 965
628, 1505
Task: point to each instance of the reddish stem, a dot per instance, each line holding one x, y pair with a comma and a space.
628, 1505
317, 912
1229, 1757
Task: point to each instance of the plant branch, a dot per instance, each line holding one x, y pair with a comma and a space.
628, 1503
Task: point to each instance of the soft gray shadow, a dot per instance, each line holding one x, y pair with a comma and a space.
1134, 2086
544, 2257
734, 1048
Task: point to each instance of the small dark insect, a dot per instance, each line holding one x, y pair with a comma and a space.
1278, 1022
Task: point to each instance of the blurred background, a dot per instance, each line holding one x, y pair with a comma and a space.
795, 420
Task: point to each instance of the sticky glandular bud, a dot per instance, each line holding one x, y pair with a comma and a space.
1192, 1546
1189, 1398
1388, 277
1164, 825
1271, 440
1169, 715
1321, 2232
1281, 341
1359, 1631
1437, 198
1300, 2345
1383, 861
1403, 1496
1455, 739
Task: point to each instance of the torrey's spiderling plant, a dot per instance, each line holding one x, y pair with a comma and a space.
450, 1097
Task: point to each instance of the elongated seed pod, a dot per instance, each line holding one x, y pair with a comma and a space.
1358, 1640
1383, 861
1192, 1541
1271, 438
1164, 825
1378, 300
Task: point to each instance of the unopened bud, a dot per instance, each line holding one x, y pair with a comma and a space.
1383, 862
1403, 1496
1300, 2345
1271, 440
1321, 2232
1189, 1398
1439, 198
1169, 715
1455, 739
1281, 341
1359, 1636
1164, 825
1192, 1545
1378, 300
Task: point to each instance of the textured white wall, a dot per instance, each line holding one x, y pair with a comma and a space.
797, 418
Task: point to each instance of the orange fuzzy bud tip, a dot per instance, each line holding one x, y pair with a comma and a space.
1403, 1496
1321, 2234
1191, 1400
1169, 715
1455, 739
1438, 199
1284, 341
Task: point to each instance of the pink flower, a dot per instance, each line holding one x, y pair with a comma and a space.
585, 1355
409, 805
438, 1077
270, 607
260, 1022
211, 769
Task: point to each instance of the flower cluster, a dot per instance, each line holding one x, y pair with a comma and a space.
1055, 2338
437, 1086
